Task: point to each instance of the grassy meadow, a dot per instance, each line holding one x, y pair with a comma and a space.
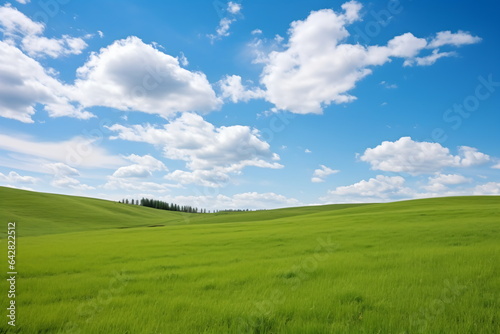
93, 266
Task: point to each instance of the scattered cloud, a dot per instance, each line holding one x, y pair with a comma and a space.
37, 46
456, 39
430, 59
440, 182
248, 200
307, 150
256, 32
211, 153
77, 151
144, 167
406, 155
490, 188
233, 89
14, 177
23, 1
380, 188
316, 67
232, 10
63, 177
322, 173
388, 85
134, 185
18, 27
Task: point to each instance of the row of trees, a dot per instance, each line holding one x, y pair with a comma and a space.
161, 205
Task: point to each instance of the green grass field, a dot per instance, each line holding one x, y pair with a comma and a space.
92, 266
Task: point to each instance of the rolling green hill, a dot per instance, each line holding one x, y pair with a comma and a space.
43, 213
422, 266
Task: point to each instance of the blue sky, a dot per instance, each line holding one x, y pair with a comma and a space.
250, 104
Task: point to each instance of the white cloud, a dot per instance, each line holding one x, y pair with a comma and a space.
249, 200
233, 7
13, 23
63, 177
456, 39
23, 1
207, 150
406, 155
430, 59
256, 32
17, 26
233, 89
222, 30
320, 174
16, 178
183, 60
24, 83
144, 167
440, 182
490, 188
307, 150
316, 67
380, 188
61, 169
388, 85
69, 182
215, 177
53, 47
130, 75
101, 34
497, 166
130, 185
77, 151
472, 157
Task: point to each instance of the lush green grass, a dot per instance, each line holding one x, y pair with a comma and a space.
424, 266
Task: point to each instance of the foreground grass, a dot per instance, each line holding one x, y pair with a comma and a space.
427, 266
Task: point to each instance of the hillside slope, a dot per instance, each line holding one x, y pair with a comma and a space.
43, 213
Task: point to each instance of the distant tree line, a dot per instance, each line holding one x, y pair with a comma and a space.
161, 205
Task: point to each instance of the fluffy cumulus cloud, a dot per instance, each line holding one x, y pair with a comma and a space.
211, 153
17, 27
15, 178
24, 83
143, 167
380, 188
233, 90
317, 67
322, 173
409, 156
132, 75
